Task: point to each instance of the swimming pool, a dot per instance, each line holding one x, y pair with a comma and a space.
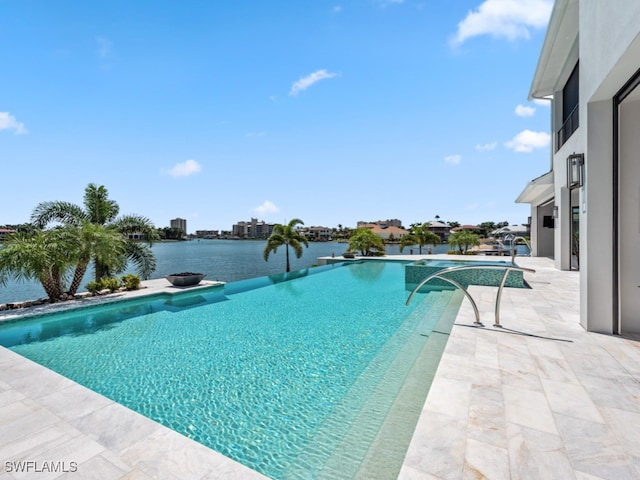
416, 272
292, 378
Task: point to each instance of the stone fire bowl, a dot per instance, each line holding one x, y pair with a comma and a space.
185, 279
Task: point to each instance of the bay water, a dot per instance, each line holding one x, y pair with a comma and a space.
224, 260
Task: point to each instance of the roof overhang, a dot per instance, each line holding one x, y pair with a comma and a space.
538, 191
562, 35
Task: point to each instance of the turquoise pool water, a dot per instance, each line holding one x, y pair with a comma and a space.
416, 272
292, 378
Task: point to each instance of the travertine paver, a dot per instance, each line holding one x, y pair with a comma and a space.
561, 404
539, 399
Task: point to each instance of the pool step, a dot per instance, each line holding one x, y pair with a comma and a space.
395, 433
389, 394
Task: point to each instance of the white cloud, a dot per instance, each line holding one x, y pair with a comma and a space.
184, 169
527, 141
306, 82
510, 19
104, 47
487, 146
9, 122
524, 111
336, 8
453, 159
266, 208
254, 134
384, 3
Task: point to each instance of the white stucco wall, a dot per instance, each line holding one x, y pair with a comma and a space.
608, 46
596, 222
610, 55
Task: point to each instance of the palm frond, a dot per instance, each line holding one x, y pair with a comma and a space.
63, 212
142, 258
99, 207
127, 224
297, 248
275, 240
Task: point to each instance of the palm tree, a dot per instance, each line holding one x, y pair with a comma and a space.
100, 210
105, 244
50, 256
286, 235
463, 240
43, 256
419, 234
366, 242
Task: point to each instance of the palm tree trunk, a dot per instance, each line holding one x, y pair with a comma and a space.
288, 268
102, 271
51, 284
78, 275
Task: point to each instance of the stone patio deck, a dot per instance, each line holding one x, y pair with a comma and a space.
538, 399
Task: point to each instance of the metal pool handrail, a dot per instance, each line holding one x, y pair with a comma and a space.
438, 274
514, 250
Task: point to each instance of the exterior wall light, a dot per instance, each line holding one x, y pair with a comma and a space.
575, 170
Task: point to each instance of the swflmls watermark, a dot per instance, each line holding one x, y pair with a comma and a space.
46, 466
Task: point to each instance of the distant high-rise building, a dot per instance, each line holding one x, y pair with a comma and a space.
253, 229
180, 223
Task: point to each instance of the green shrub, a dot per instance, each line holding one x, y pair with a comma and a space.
112, 284
131, 281
93, 286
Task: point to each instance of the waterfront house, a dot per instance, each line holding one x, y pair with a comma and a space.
441, 229
584, 211
5, 232
317, 234
467, 228
384, 231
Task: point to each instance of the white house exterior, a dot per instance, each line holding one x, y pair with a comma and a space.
322, 234
590, 60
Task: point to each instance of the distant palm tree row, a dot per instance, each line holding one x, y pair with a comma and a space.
364, 241
68, 237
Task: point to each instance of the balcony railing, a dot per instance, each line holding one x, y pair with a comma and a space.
569, 126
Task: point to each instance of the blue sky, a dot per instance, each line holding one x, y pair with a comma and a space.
329, 111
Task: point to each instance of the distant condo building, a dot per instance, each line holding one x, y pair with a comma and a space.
207, 234
253, 229
180, 223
